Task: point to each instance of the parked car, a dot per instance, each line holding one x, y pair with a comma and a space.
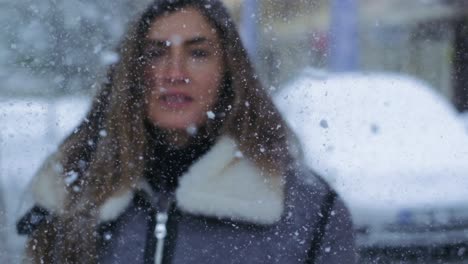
395, 150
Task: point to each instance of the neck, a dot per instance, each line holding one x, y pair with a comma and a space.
170, 154
177, 138
172, 138
181, 138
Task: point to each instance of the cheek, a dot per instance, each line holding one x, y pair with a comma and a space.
209, 80
209, 90
151, 76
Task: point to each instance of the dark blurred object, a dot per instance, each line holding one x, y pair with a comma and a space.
4, 253
28, 223
460, 64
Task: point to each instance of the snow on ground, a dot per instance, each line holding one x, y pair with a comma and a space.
31, 129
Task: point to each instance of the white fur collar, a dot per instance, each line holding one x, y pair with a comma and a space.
223, 184
220, 184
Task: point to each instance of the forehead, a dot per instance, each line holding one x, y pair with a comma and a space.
186, 23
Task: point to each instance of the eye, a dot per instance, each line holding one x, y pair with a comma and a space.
154, 54
199, 53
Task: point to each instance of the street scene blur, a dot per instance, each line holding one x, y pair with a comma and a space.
375, 90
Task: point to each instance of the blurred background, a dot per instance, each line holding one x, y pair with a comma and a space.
62, 46
54, 54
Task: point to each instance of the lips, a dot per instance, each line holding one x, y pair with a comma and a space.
175, 100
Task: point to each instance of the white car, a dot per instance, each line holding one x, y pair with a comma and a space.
394, 149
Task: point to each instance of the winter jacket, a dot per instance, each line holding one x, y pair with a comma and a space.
224, 210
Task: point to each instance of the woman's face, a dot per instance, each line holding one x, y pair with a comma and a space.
184, 69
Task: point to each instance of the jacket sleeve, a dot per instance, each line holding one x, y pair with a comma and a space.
337, 243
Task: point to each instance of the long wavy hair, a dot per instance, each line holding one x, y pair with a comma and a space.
108, 149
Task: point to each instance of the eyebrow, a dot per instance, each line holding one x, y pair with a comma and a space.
196, 40
189, 42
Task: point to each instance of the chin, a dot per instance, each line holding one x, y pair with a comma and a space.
177, 120
177, 124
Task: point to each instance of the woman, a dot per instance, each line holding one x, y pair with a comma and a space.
183, 158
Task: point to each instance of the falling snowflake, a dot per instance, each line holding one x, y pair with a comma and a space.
210, 115
103, 133
71, 177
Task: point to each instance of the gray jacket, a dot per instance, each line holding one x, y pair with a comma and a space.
225, 210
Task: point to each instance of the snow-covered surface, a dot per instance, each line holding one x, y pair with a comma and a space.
30, 129
388, 143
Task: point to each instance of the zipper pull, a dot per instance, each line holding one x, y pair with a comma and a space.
160, 232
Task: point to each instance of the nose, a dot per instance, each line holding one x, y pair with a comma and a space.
176, 71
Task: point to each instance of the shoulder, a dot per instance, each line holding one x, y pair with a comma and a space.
47, 187
305, 185
310, 191
49, 192
326, 212
316, 200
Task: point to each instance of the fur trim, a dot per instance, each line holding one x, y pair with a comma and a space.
225, 185
115, 205
48, 186
221, 184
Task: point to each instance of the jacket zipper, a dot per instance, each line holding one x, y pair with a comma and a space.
160, 232
160, 229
